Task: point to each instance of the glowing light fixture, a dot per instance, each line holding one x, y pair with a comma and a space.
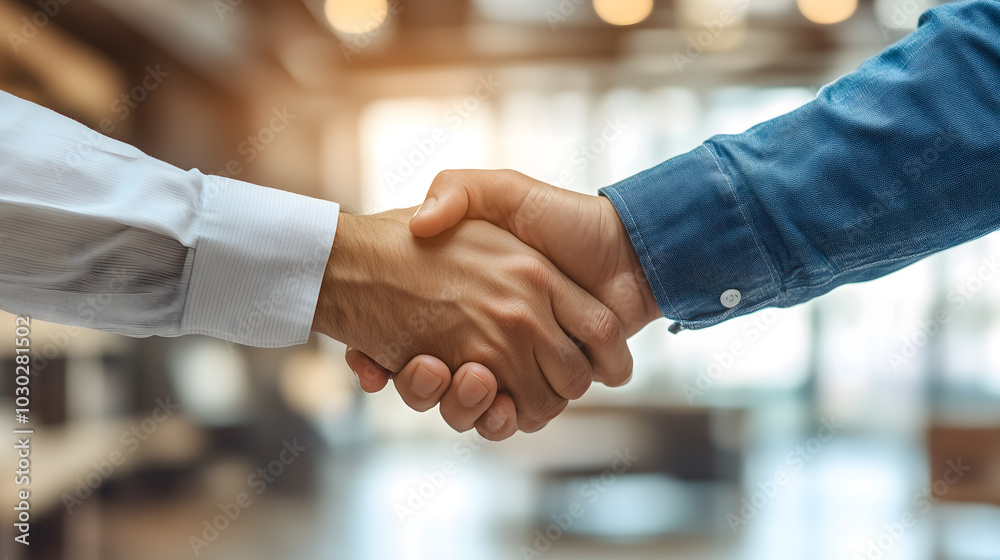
623, 12
356, 16
827, 11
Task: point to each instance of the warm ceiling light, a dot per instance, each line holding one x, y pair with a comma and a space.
623, 12
356, 16
827, 11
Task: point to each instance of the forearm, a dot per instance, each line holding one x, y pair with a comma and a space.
95, 233
891, 163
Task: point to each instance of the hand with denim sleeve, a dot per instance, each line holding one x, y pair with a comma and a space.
580, 234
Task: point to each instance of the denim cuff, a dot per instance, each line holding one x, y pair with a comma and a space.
696, 242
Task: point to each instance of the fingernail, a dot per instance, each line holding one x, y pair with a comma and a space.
496, 420
472, 391
426, 207
424, 383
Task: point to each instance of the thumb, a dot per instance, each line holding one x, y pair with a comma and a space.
494, 196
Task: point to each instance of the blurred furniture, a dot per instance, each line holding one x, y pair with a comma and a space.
677, 469
977, 448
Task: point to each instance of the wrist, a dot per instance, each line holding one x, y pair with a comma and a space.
631, 265
650, 307
649, 299
334, 312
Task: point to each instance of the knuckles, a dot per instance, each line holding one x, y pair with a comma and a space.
516, 316
619, 378
489, 355
555, 409
606, 329
545, 412
575, 374
534, 270
582, 379
449, 177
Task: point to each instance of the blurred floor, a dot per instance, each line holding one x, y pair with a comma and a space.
851, 494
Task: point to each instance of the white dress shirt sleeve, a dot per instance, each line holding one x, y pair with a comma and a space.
94, 233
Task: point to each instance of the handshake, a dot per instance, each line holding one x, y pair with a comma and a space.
526, 291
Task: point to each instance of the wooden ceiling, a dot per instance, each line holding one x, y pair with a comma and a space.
259, 42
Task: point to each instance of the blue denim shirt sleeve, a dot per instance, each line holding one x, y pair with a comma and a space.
889, 164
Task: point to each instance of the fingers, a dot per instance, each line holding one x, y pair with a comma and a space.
494, 418
470, 398
564, 365
488, 195
598, 330
423, 382
372, 376
473, 391
537, 402
500, 421
531, 424
531, 377
426, 380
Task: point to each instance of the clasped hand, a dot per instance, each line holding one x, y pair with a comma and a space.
526, 291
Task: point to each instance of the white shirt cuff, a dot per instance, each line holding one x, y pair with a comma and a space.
258, 264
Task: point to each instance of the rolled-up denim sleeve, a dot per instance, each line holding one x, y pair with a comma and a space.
891, 163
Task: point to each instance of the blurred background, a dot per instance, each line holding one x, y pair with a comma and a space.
865, 424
